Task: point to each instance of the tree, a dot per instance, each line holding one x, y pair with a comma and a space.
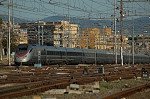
13, 39
1, 36
1, 21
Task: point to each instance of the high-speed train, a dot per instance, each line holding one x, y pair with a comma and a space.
45, 55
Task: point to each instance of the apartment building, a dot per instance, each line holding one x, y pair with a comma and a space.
39, 33
65, 34
95, 38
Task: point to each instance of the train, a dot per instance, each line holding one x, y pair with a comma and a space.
28, 54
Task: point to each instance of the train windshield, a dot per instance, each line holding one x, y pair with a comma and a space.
22, 48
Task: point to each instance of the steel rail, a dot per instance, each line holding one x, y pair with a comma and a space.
128, 92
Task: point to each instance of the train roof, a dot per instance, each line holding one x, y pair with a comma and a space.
74, 49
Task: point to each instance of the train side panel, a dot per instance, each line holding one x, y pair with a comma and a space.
31, 54
74, 56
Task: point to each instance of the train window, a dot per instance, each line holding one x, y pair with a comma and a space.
63, 53
56, 53
79, 53
48, 52
70, 53
90, 54
22, 49
53, 52
101, 55
74, 53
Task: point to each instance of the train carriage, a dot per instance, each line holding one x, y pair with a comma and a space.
33, 54
74, 56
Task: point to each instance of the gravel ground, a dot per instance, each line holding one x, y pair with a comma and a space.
141, 95
105, 89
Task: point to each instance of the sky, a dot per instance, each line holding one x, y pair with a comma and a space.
39, 9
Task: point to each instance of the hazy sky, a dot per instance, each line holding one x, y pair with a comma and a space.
38, 9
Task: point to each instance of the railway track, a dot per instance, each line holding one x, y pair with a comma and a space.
128, 92
41, 86
36, 80
32, 88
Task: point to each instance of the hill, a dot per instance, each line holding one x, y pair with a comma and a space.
83, 23
15, 19
141, 25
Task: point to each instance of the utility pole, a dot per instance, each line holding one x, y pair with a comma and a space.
39, 43
134, 14
133, 44
132, 40
39, 34
115, 31
121, 30
9, 2
69, 42
42, 34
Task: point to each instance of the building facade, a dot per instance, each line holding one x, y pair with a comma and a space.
96, 38
39, 33
60, 34
65, 34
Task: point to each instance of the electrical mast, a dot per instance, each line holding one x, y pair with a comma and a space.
115, 31
121, 30
134, 14
9, 28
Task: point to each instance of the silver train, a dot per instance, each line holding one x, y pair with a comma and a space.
34, 54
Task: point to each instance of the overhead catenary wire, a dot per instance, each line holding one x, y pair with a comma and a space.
42, 8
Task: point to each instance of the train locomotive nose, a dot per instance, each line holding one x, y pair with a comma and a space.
21, 57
